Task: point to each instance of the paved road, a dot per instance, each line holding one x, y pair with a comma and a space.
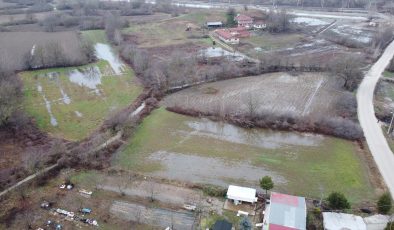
377, 143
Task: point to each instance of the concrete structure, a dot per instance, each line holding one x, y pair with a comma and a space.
340, 221
285, 212
244, 20
241, 194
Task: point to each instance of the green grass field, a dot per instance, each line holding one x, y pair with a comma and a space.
333, 165
87, 109
95, 36
169, 32
116, 93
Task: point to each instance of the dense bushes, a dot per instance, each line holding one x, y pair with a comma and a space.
334, 126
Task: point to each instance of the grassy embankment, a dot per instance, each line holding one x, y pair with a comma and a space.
116, 92
333, 165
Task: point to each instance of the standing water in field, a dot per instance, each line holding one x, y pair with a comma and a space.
104, 52
257, 137
88, 77
48, 106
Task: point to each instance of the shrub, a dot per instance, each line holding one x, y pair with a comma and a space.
212, 190
384, 203
337, 200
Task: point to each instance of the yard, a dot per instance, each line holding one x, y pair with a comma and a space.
173, 31
72, 102
191, 150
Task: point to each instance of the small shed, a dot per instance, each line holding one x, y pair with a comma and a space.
339, 221
222, 225
214, 24
241, 194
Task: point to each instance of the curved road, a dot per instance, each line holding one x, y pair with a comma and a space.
373, 133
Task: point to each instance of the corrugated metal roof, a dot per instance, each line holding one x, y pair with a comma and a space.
287, 212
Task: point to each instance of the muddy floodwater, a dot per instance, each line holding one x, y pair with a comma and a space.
256, 137
104, 52
209, 170
88, 77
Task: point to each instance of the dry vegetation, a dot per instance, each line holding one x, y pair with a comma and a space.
20, 44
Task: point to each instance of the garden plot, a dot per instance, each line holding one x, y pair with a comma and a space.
172, 146
20, 44
72, 102
304, 95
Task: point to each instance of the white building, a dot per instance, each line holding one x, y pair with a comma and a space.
241, 194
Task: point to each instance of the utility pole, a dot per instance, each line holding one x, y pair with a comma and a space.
391, 122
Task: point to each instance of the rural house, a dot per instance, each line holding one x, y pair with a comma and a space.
232, 35
241, 194
244, 20
285, 212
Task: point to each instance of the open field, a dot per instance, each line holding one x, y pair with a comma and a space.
72, 102
20, 44
171, 32
302, 95
187, 149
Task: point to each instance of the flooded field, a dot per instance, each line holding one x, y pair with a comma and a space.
182, 148
72, 102
306, 94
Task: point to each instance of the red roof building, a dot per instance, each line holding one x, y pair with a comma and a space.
285, 212
232, 35
244, 20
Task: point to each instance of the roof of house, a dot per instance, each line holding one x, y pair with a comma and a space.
238, 32
339, 221
242, 17
241, 193
286, 212
222, 225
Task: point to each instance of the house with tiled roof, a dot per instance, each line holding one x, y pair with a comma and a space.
244, 20
232, 35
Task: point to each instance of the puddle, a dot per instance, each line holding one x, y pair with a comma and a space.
89, 77
256, 137
66, 99
216, 171
104, 52
138, 110
48, 106
213, 52
33, 49
78, 114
